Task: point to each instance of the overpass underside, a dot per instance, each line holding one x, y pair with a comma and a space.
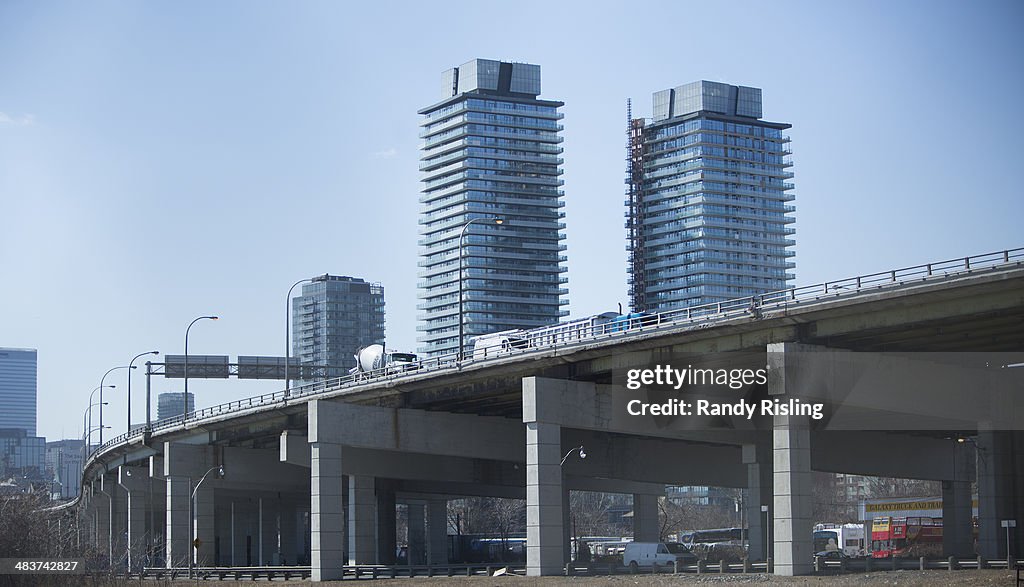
317, 482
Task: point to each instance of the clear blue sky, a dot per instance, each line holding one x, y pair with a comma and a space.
164, 160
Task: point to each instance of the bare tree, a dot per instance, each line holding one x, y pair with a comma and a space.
830, 502
589, 512
897, 487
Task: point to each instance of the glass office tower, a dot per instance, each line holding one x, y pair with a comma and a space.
490, 149
707, 216
18, 389
335, 317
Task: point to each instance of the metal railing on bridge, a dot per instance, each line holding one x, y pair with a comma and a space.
542, 340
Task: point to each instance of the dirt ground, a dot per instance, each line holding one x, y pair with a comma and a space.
961, 578
970, 578
903, 578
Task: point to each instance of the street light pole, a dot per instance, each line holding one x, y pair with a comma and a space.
88, 426
191, 514
102, 379
462, 235
287, 333
131, 365
184, 400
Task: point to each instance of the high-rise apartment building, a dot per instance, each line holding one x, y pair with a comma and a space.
335, 317
18, 389
171, 403
708, 214
490, 149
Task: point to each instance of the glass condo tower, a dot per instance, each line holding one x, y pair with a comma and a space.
490, 149
707, 199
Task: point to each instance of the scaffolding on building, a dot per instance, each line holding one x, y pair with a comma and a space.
635, 214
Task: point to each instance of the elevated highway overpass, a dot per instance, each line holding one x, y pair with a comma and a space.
313, 474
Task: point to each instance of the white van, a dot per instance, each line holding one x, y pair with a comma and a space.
488, 346
647, 554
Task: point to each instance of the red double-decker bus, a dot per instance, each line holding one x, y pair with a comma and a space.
906, 537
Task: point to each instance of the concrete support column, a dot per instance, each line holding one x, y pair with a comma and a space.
362, 520
118, 521
102, 517
387, 524
568, 527
269, 509
757, 457
301, 537
544, 524
417, 550
957, 537
791, 509
437, 530
326, 514
792, 525
999, 487
176, 522
203, 525
136, 489
290, 552
645, 518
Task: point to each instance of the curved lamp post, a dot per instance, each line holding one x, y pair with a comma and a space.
583, 454
184, 399
102, 379
462, 235
131, 364
87, 427
191, 515
287, 334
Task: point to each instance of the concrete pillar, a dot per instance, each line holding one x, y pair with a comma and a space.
177, 523
792, 530
156, 516
135, 484
386, 523
203, 524
957, 537
1000, 466
437, 531
118, 521
417, 535
288, 538
326, 515
301, 536
567, 526
267, 535
362, 520
757, 457
102, 515
242, 533
791, 510
544, 525
645, 518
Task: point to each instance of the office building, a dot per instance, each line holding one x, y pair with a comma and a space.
170, 404
64, 467
18, 389
335, 317
708, 214
490, 149
22, 455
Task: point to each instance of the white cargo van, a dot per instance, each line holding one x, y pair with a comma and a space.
647, 554
487, 346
